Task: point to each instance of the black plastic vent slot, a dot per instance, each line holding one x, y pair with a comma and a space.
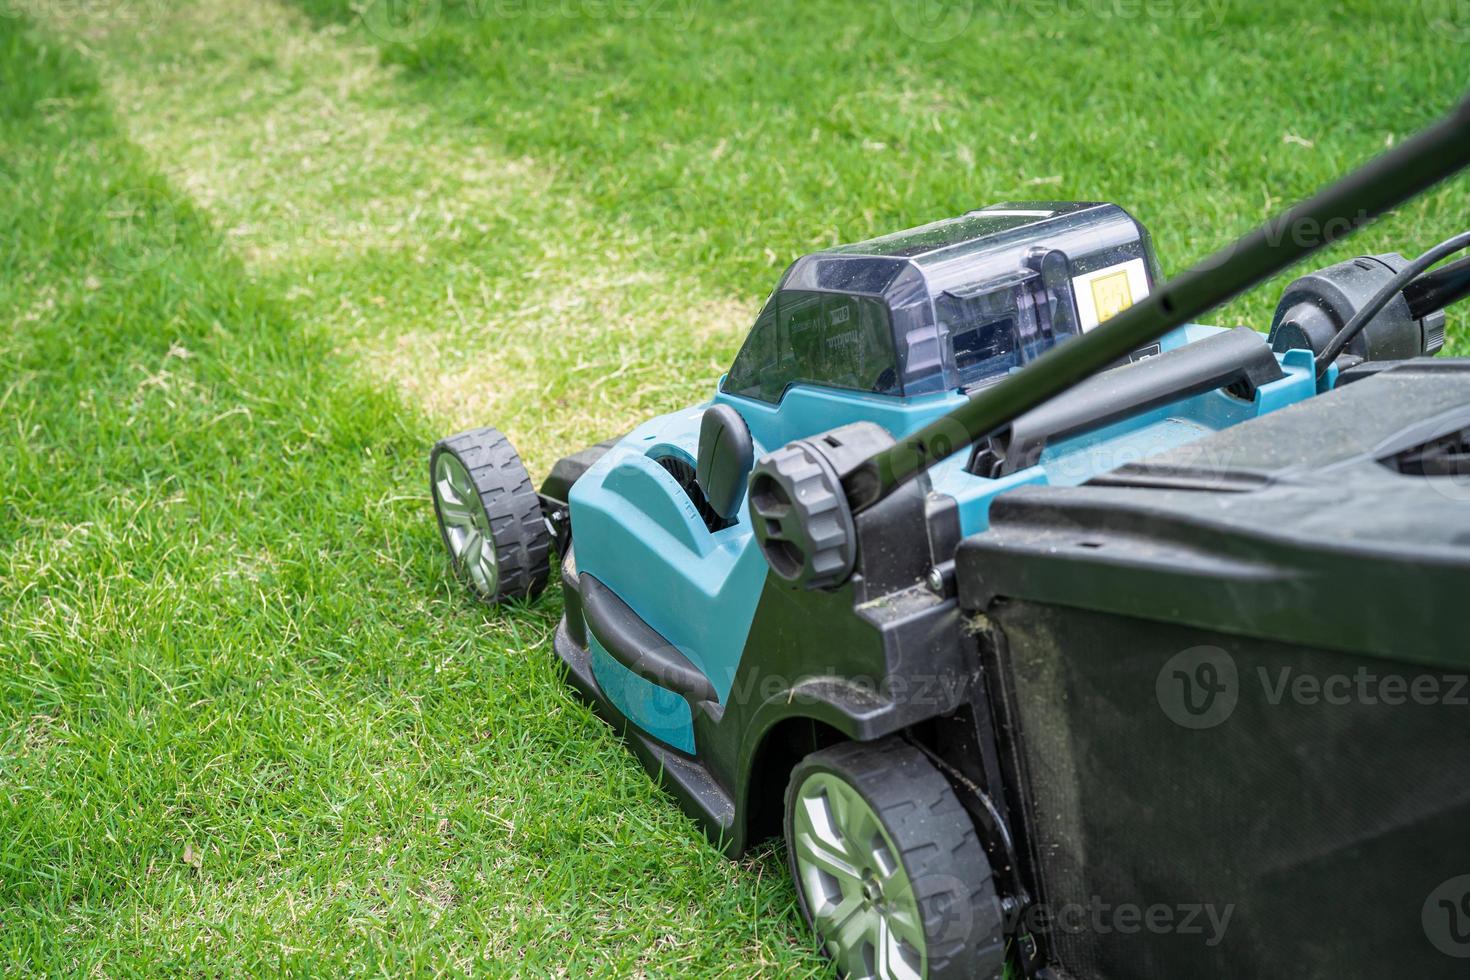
683, 472
1447, 455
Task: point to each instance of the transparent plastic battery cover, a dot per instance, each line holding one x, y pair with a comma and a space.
951, 305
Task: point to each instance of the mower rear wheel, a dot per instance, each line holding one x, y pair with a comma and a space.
889, 871
489, 516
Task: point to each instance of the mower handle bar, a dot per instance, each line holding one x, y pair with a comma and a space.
1402, 173
1435, 290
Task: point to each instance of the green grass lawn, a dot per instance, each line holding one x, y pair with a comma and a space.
255, 258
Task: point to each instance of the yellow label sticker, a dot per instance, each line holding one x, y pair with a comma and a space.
1111, 295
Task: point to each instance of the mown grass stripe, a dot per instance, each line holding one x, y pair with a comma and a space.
247, 723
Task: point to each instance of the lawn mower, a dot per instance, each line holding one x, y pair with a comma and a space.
1056, 632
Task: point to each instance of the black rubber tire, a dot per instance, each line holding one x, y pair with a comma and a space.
937, 844
522, 540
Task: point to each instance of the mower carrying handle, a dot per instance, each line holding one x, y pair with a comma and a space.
1383, 183
1236, 359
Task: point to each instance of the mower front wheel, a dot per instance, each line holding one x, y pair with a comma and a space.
889, 871
489, 516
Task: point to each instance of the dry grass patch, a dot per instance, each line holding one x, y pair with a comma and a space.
473, 281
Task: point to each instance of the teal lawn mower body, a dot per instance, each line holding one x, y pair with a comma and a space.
960, 616
698, 577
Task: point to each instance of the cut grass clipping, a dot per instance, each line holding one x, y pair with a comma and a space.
257, 257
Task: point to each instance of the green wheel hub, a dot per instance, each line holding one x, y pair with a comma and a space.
861, 900
466, 527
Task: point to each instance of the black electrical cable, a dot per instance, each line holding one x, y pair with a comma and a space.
1381, 298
